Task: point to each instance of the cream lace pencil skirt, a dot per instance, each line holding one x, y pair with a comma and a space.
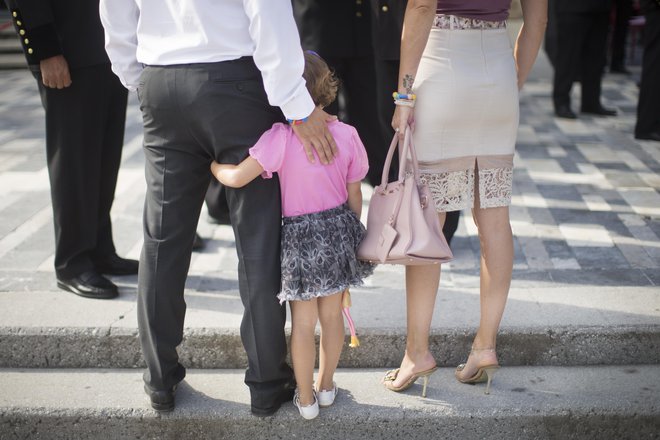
466, 114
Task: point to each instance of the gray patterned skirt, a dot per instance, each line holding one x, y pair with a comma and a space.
319, 254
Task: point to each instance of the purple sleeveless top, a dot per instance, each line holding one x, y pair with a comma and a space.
490, 10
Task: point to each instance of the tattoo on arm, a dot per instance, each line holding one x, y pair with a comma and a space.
408, 81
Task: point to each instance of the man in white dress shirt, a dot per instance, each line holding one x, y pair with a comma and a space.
210, 76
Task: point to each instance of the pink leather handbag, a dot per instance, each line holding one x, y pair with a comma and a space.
402, 223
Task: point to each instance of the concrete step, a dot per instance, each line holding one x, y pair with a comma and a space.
12, 61
10, 45
526, 403
67, 347
546, 323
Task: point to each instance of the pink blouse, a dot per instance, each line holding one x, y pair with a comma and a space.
311, 187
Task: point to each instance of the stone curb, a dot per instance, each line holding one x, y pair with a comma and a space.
526, 403
214, 348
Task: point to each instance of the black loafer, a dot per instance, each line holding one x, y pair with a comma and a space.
161, 400
600, 111
284, 396
89, 284
653, 136
565, 112
115, 265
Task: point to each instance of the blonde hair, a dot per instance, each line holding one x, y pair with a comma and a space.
321, 82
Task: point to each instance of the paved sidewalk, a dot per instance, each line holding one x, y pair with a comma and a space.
525, 403
585, 214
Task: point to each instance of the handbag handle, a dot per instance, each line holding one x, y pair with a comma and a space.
403, 158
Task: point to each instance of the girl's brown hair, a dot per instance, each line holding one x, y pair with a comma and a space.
321, 81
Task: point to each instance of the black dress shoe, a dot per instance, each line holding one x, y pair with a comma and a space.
115, 265
89, 284
161, 400
599, 111
653, 136
284, 396
565, 112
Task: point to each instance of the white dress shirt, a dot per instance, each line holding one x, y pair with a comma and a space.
167, 32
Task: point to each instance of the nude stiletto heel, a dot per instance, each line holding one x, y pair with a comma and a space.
391, 376
490, 373
485, 373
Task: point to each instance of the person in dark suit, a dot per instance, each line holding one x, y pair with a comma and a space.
648, 107
581, 45
85, 108
387, 24
340, 32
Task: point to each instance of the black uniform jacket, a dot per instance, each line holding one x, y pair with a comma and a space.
387, 26
334, 28
59, 27
583, 5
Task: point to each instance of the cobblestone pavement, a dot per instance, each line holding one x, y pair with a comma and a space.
586, 204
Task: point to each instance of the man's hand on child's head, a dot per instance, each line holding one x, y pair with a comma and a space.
314, 134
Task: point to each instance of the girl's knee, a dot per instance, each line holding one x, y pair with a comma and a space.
330, 309
304, 315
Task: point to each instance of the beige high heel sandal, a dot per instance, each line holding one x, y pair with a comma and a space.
391, 376
485, 373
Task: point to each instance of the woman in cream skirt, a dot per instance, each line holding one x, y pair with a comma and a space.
458, 87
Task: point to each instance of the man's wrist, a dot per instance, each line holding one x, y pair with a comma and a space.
297, 121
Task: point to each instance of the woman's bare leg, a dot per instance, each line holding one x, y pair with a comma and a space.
332, 339
304, 315
421, 290
496, 242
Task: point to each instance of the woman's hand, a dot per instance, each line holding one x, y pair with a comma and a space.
403, 117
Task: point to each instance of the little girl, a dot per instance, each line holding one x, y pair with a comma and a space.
321, 231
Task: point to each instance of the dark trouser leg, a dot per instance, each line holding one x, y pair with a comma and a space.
230, 117
216, 202
177, 176
76, 125
255, 216
451, 225
225, 110
113, 141
387, 76
593, 61
623, 12
571, 33
362, 112
648, 108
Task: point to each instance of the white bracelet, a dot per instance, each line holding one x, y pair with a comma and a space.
404, 102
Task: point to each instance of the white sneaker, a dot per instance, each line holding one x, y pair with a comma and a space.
308, 412
327, 397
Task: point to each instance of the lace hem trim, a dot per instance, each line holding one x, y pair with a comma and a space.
454, 190
442, 21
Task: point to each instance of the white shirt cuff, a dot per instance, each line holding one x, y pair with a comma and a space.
300, 106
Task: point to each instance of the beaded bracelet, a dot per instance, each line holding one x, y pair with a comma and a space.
410, 97
296, 121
